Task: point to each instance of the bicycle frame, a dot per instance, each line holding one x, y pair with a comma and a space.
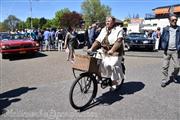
86, 84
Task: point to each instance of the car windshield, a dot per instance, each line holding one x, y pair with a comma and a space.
12, 37
4, 36
135, 35
17, 36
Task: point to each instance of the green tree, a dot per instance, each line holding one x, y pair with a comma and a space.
21, 25
11, 22
94, 11
3, 27
28, 22
58, 16
42, 22
48, 24
35, 22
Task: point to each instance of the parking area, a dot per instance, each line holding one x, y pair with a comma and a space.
37, 88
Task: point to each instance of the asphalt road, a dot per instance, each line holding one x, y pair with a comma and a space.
37, 88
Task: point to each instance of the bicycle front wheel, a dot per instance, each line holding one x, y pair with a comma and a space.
83, 91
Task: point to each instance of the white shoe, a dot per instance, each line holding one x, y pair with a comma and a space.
72, 61
113, 88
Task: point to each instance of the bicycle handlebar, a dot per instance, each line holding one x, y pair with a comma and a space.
90, 53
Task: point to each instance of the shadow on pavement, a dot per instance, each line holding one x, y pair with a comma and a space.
151, 54
8, 97
130, 88
140, 50
24, 56
110, 97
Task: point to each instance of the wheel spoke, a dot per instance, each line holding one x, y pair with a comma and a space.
83, 91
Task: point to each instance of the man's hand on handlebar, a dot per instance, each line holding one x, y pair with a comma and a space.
110, 52
90, 52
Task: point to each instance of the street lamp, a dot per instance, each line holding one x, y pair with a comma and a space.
30, 2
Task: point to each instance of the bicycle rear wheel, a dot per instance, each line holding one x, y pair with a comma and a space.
82, 91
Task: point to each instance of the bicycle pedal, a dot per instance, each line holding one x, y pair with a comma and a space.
103, 86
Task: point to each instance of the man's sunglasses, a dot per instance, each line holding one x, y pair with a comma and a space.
174, 20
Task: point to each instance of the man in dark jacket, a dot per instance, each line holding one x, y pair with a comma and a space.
170, 43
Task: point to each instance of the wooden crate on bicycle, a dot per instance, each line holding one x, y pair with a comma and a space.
85, 63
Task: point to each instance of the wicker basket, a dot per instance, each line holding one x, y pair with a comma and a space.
85, 63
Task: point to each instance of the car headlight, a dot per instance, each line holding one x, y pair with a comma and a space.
145, 42
131, 41
37, 44
4, 47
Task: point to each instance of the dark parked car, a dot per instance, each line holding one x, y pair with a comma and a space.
80, 41
139, 41
17, 44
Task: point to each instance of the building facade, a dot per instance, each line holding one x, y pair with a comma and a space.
159, 18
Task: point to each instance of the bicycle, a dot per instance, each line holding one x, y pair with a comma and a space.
87, 82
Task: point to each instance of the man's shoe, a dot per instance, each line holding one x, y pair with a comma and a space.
163, 84
113, 87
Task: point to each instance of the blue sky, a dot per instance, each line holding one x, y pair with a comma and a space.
47, 8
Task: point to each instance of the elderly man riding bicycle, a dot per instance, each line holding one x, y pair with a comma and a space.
111, 44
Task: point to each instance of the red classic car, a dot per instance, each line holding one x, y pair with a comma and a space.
17, 44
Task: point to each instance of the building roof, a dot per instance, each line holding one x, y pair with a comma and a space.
167, 6
167, 9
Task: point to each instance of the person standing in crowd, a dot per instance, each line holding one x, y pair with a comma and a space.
69, 43
92, 34
88, 34
149, 34
86, 38
52, 39
59, 39
33, 34
110, 42
170, 43
156, 36
98, 30
40, 39
46, 39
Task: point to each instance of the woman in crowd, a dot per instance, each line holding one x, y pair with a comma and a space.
69, 43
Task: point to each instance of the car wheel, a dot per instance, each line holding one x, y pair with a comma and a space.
4, 56
33, 54
153, 49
